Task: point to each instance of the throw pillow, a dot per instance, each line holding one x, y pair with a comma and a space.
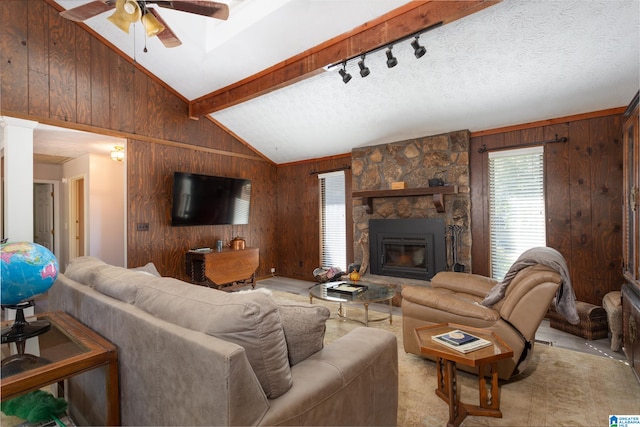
149, 268
304, 328
250, 320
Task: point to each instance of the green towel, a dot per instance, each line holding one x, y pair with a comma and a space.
35, 407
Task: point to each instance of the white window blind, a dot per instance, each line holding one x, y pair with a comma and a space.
333, 233
516, 205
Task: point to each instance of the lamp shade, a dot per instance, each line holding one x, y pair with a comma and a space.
127, 12
152, 26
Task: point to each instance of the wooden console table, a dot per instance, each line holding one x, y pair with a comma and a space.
437, 192
226, 270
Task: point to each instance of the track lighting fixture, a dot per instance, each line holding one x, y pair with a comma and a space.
364, 70
418, 50
392, 61
345, 76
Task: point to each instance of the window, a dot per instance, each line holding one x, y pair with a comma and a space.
516, 205
333, 240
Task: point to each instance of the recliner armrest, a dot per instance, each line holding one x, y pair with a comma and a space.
447, 301
473, 284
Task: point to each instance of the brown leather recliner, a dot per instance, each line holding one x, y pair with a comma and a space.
455, 298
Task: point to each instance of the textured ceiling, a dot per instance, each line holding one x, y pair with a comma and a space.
514, 62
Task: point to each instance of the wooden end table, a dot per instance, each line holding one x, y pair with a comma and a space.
67, 349
448, 389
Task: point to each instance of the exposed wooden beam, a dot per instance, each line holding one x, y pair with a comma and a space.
402, 22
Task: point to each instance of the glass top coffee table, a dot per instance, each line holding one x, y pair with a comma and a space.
374, 293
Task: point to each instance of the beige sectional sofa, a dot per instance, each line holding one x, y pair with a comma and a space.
190, 355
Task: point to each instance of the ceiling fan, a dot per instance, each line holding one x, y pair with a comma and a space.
129, 11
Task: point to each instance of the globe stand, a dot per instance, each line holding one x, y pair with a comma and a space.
18, 333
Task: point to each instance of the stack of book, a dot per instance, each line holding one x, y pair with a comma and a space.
461, 341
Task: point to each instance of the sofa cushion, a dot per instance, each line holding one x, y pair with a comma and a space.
116, 282
250, 320
304, 327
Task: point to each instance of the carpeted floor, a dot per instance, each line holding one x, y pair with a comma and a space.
559, 387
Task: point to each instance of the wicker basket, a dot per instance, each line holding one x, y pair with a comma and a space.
593, 321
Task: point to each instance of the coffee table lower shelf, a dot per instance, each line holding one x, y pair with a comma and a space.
485, 359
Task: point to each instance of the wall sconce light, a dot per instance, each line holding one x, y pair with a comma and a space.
117, 154
364, 70
345, 76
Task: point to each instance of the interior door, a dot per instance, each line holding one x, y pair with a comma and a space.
43, 215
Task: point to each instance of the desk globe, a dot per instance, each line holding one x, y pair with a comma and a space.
28, 270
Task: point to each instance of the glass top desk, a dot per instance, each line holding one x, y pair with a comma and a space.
67, 349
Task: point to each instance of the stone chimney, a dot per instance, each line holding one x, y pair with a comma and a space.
414, 162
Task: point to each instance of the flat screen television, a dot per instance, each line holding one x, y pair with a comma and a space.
209, 200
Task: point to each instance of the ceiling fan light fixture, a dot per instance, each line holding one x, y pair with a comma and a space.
130, 7
392, 61
152, 26
127, 12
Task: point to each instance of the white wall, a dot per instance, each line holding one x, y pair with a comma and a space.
104, 207
47, 172
106, 210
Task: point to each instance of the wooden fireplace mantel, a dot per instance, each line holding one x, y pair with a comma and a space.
437, 193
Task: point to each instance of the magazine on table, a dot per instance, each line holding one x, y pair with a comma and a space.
461, 341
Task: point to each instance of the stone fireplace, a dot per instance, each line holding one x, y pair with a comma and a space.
441, 157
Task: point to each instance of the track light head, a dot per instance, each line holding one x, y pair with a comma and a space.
392, 61
345, 76
364, 70
418, 50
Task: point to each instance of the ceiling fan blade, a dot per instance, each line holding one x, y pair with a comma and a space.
212, 9
89, 10
167, 37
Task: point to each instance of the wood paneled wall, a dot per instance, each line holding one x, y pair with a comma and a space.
298, 219
55, 72
149, 192
583, 199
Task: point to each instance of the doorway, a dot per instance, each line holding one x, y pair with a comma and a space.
44, 216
